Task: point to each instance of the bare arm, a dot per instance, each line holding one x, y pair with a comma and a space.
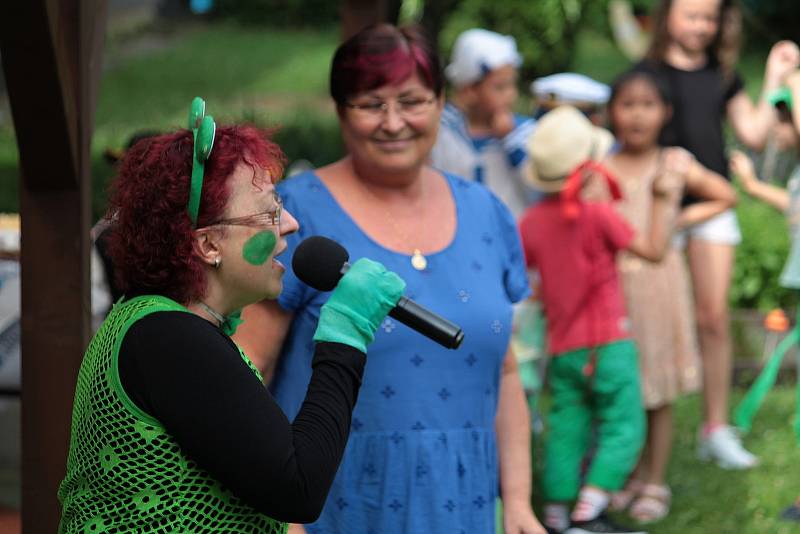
514, 446
717, 193
751, 122
743, 168
262, 333
667, 189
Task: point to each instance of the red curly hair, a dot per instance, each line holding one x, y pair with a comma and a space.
151, 238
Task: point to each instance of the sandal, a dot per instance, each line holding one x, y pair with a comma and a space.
652, 504
623, 498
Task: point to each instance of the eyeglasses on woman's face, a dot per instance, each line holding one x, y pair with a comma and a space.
406, 106
271, 217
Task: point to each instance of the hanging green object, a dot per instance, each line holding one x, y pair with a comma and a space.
748, 407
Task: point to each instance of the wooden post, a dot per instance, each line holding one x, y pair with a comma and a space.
51, 58
357, 14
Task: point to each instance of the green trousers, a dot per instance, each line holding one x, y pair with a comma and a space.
608, 401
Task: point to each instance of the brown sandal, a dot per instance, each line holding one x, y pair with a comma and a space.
652, 504
622, 499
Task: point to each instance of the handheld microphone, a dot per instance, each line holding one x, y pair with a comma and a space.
320, 262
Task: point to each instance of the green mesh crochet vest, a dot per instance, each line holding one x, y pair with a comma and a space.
125, 473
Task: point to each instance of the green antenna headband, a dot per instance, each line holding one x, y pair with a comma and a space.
203, 129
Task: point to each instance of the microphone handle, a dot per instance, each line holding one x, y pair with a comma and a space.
427, 323
424, 321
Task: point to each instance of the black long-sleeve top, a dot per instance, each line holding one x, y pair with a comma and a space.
181, 370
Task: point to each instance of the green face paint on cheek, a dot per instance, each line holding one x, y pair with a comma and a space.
258, 248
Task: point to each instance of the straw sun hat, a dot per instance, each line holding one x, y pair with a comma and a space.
564, 138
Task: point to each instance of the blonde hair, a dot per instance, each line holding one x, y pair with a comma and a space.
724, 48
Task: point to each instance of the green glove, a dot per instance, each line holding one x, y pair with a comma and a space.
358, 304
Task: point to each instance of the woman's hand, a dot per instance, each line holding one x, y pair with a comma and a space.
784, 57
358, 304
518, 518
742, 166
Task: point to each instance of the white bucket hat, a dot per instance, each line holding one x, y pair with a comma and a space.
478, 52
564, 138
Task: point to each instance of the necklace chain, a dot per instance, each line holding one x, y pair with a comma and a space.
217, 316
418, 260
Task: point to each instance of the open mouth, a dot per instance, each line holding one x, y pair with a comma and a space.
275, 260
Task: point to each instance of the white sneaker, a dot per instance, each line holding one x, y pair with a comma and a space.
724, 447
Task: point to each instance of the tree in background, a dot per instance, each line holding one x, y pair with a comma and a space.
772, 20
545, 30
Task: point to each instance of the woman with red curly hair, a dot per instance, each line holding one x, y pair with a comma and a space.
172, 429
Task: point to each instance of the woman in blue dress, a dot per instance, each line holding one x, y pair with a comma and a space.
435, 433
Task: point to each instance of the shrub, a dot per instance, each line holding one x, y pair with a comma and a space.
760, 258
312, 138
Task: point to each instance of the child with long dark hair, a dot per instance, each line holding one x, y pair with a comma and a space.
694, 52
664, 334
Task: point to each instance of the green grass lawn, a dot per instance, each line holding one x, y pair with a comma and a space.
709, 500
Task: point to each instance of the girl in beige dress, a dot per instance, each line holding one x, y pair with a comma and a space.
658, 295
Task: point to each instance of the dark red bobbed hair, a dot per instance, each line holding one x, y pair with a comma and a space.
380, 55
151, 238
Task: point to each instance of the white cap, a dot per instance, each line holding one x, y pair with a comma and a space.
478, 52
571, 88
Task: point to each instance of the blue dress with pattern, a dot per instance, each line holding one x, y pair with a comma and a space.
421, 456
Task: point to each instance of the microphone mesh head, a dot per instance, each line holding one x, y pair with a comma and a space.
318, 261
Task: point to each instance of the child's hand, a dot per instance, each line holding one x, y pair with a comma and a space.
742, 166
677, 161
502, 123
595, 189
672, 179
793, 80
784, 57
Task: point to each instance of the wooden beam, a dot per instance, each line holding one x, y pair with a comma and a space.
36, 90
51, 57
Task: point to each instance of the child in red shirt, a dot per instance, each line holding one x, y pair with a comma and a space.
594, 375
